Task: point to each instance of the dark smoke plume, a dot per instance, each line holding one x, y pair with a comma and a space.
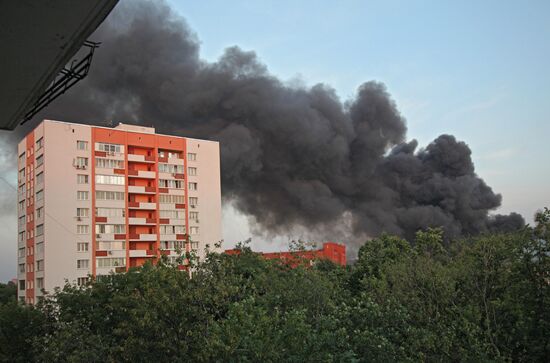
291, 156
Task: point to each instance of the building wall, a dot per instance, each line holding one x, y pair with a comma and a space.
208, 192
141, 152
21, 221
60, 202
335, 252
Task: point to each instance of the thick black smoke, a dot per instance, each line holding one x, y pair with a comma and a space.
290, 156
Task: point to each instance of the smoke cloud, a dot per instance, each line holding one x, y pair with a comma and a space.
291, 156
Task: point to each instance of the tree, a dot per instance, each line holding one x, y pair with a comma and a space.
8, 292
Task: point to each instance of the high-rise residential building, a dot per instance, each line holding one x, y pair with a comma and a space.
93, 200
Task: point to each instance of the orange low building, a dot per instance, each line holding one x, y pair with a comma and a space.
335, 252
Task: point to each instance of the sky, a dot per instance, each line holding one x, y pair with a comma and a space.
474, 69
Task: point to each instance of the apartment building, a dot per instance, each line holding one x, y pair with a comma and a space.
93, 200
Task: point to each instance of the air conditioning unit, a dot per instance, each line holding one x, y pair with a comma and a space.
83, 167
98, 235
193, 206
78, 219
109, 252
196, 220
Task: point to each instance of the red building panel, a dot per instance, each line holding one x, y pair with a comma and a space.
335, 252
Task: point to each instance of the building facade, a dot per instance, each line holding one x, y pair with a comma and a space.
335, 252
92, 200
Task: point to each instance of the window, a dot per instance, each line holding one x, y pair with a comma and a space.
82, 145
40, 230
193, 186
175, 214
193, 201
111, 262
171, 229
21, 252
82, 212
39, 195
22, 158
164, 183
40, 265
21, 176
40, 247
21, 268
39, 212
194, 230
172, 245
110, 245
194, 245
194, 216
21, 284
104, 195
82, 179
169, 154
40, 177
82, 247
109, 212
191, 156
110, 228
22, 190
81, 281
109, 148
21, 237
40, 160
192, 171
39, 143
166, 198
40, 283
170, 168
109, 179
81, 163
82, 264
82, 195
109, 163
82, 229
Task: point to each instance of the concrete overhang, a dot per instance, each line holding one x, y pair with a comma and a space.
37, 39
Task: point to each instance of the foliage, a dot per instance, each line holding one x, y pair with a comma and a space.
8, 292
483, 298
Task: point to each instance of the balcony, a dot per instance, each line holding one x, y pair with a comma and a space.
142, 253
132, 173
138, 253
141, 189
141, 221
142, 205
143, 237
141, 158
174, 160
